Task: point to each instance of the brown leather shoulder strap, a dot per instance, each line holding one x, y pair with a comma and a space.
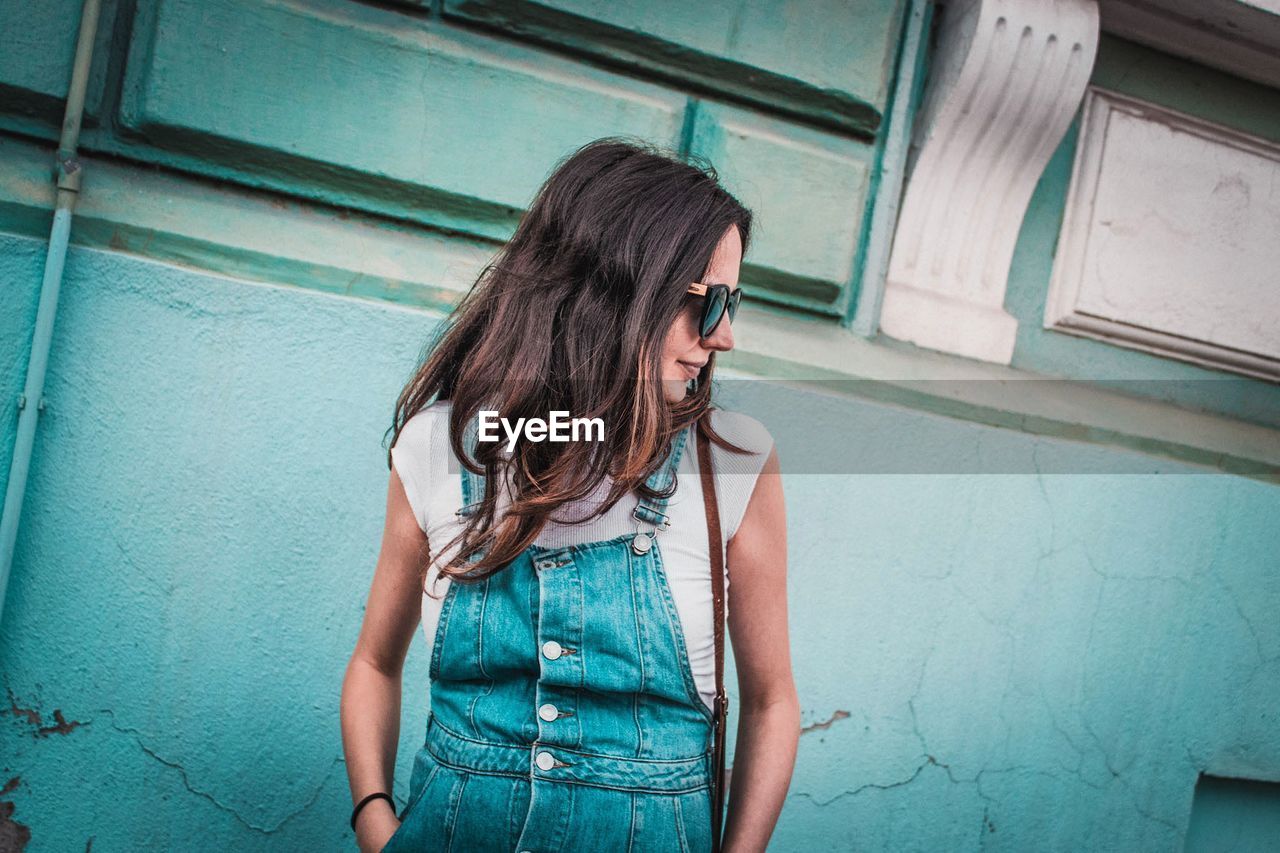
716, 547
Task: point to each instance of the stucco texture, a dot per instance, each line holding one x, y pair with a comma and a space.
1005, 662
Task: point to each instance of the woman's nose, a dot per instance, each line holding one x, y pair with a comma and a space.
722, 338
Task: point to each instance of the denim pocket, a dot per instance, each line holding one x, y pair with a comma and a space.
693, 821
424, 772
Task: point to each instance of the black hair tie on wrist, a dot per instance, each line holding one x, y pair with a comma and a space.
356, 811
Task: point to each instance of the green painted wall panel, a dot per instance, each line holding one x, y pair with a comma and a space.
809, 190
37, 46
828, 61
374, 102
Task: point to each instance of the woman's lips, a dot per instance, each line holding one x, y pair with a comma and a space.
691, 370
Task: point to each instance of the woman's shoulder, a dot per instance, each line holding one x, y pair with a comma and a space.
419, 460
743, 431
736, 473
425, 423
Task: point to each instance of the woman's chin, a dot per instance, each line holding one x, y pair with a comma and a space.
675, 390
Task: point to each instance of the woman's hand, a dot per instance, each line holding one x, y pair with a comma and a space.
375, 825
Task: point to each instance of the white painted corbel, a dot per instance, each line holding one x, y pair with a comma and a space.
1006, 80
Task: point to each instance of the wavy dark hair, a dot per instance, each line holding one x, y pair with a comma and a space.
571, 314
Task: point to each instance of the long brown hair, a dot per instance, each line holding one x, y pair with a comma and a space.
571, 315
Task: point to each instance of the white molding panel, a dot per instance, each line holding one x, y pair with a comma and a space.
1170, 242
1006, 81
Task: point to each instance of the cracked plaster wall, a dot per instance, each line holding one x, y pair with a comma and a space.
1003, 662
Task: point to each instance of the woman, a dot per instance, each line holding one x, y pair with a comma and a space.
568, 591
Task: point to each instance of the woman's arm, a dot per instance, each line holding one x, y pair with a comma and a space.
370, 706
769, 712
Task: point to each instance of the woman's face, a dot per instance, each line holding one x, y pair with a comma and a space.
684, 352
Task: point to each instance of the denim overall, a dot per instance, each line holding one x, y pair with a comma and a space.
564, 714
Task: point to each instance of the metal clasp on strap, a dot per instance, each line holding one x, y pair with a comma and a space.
643, 539
660, 520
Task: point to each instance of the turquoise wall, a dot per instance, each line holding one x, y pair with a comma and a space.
983, 660
1013, 661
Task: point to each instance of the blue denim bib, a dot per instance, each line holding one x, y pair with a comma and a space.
564, 715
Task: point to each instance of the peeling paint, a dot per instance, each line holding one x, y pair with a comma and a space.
14, 836
62, 725
825, 724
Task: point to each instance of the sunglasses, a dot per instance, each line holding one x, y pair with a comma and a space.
716, 300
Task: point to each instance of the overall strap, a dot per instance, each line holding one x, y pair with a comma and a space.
472, 483
715, 545
651, 510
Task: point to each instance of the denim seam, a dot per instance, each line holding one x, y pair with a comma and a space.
511, 814
680, 830
631, 829
634, 789
437, 644
456, 800
640, 646
471, 709
677, 631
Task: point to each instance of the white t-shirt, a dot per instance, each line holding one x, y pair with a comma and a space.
433, 486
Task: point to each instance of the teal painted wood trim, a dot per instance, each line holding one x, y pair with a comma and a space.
251, 235
826, 63
1192, 88
862, 314
809, 190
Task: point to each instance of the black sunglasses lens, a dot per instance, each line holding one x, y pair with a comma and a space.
716, 299
734, 299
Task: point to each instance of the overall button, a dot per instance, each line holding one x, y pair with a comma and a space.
548, 712
551, 650
545, 761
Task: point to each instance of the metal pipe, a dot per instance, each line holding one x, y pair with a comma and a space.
31, 401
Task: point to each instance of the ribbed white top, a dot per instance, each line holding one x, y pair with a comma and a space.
433, 486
